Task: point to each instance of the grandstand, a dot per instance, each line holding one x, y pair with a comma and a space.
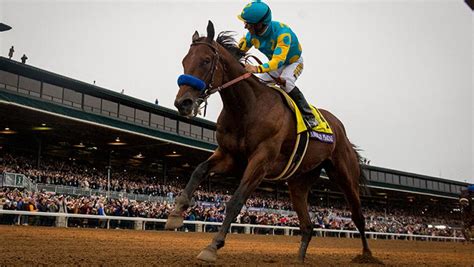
47, 117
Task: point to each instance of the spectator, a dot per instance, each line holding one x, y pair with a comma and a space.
23, 59
10, 53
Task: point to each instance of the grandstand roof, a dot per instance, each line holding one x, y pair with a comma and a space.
53, 78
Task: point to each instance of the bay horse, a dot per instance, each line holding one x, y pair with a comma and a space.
256, 133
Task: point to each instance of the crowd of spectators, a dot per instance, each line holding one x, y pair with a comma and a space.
210, 205
87, 177
70, 173
327, 218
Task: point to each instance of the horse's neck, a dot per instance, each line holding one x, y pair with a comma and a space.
241, 98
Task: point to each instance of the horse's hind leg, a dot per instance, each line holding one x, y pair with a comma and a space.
348, 181
299, 189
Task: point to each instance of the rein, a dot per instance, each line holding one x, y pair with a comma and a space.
229, 83
208, 92
276, 79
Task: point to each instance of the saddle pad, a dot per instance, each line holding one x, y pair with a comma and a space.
322, 132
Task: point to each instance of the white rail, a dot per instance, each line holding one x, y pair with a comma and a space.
140, 223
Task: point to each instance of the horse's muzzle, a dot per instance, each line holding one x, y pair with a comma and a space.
185, 106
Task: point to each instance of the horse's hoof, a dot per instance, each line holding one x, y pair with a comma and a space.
173, 222
208, 255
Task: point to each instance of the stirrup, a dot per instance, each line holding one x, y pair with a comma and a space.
311, 123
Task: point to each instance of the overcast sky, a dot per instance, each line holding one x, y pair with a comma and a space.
398, 74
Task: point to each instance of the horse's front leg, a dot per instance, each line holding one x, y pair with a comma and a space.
219, 162
253, 175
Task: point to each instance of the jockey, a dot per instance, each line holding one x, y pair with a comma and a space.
280, 44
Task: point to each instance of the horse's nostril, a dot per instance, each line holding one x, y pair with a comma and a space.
186, 103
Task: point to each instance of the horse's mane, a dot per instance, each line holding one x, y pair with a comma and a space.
226, 39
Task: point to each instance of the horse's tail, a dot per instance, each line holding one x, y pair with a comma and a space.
363, 181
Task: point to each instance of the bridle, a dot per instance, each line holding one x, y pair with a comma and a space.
213, 68
208, 89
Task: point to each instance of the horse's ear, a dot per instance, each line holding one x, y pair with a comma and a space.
210, 32
195, 36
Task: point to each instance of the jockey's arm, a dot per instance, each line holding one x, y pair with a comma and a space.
245, 44
279, 54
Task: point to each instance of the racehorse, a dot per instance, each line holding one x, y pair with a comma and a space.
255, 134
467, 211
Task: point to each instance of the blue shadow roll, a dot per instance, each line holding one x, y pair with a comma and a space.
194, 82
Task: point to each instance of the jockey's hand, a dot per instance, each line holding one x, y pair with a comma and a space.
251, 68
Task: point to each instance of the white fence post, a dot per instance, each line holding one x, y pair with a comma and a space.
198, 228
138, 225
61, 221
247, 230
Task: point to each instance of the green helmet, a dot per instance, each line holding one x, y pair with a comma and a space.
256, 12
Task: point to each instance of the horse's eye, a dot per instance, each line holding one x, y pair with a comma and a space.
205, 62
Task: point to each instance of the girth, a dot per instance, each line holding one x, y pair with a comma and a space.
301, 145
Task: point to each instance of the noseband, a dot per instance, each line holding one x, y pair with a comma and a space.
207, 89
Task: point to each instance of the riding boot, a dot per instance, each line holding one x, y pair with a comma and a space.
304, 107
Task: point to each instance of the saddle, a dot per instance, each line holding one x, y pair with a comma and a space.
322, 132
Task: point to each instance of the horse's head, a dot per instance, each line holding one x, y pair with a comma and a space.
201, 69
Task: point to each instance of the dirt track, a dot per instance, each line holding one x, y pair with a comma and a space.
20, 245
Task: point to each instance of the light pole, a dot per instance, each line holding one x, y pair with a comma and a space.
109, 167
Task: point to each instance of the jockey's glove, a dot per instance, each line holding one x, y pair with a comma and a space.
251, 68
